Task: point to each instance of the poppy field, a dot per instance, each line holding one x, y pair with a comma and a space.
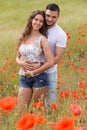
70, 113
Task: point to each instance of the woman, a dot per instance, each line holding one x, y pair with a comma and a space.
32, 47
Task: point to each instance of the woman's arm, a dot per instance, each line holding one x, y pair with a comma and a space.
49, 59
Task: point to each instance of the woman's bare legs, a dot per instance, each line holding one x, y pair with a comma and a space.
40, 93
24, 98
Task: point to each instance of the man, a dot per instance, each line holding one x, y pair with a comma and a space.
57, 40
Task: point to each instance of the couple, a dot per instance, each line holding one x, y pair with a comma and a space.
40, 48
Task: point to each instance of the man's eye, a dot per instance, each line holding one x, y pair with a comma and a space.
54, 17
48, 15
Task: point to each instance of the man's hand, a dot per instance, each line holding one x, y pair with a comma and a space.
34, 66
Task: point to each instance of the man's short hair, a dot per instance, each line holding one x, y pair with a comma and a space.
53, 7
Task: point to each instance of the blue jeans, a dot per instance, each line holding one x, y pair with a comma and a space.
52, 95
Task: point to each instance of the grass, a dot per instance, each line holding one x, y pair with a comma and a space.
72, 71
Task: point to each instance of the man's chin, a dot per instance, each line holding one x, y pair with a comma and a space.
50, 25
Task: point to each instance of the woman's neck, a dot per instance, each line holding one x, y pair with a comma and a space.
34, 33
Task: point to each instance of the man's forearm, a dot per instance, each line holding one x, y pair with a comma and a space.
56, 60
59, 54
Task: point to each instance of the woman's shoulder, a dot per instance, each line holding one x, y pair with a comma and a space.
43, 38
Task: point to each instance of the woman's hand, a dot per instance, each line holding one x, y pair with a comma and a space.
25, 64
29, 73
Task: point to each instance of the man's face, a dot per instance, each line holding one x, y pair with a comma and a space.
51, 17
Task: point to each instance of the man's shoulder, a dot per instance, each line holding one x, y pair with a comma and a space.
59, 31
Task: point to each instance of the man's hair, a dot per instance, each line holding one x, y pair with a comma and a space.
53, 7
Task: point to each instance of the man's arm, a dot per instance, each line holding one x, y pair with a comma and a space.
59, 51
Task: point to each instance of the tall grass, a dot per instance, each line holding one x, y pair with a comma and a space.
72, 69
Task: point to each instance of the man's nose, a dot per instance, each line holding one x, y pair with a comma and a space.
50, 18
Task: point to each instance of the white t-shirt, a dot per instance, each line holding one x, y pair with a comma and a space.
56, 37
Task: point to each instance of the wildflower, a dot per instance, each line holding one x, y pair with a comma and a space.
54, 106
75, 94
8, 103
72, 64
6, 112
81, 68
68, 35
76, 109
38, 104
39, 119
12, 76
64, 124
10, 62
83, 41
26, 122
7, 58
4, 69
82, 84
78, 40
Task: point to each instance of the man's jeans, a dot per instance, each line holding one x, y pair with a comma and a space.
52, 95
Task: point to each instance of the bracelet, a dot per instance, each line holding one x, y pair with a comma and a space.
31, 74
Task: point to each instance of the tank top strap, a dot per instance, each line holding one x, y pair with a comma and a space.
40, 38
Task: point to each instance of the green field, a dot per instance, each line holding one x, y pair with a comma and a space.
72, 71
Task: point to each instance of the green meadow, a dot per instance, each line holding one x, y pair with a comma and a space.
72, 70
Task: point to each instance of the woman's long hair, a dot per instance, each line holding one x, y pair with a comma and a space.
28, 27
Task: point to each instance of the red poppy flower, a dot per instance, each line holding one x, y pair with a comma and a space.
38, 104
54, 106
26, 122
39, 119
76, 109
64, 124
8, 103
82, 84
12, 76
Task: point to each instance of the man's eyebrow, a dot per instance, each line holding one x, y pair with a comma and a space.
50, 15
47, 14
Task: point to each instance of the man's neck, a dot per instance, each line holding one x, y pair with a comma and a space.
51, 26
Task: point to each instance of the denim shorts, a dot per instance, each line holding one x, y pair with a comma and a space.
38, 81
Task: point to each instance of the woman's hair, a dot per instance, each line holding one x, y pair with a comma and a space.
28, 27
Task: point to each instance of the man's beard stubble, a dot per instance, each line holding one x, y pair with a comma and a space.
49, 26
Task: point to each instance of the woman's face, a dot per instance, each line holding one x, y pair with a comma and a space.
37, 22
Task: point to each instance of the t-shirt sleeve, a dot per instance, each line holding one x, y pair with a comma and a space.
61, 40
